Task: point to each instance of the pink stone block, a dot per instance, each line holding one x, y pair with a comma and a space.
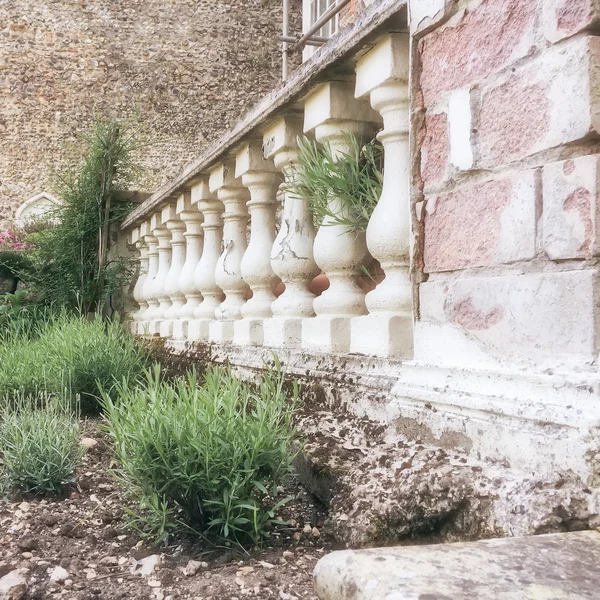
435, 149
565, 18
570, 209
535, 316
478, 41
484, 224
545, 103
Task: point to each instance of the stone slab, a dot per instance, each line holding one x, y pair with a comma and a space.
561, 566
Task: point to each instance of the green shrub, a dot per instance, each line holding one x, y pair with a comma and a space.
69, 265
21, 318
71, 356
204, 455
39, 444
355, 179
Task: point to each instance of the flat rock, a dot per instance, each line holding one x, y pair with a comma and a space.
13, 586
563, 566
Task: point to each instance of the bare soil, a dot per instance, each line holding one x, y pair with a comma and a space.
86, 534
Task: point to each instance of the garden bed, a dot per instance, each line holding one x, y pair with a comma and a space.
80, 547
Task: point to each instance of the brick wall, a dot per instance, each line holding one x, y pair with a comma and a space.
505, 113
189, 67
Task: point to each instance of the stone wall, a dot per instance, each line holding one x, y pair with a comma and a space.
506, 171
189, 68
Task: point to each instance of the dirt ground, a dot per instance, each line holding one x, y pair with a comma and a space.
79, 548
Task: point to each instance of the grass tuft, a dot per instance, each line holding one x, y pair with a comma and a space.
205, 455
39, 444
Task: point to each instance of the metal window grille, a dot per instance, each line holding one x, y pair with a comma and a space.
317, 9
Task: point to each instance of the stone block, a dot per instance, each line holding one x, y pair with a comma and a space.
220, 332
570, 208
334, 101
549, 318
481, 39
424, 14
248, 332
459, 118
550, 101
250, 158
184, 203
283, 332
387, 61
281, 135
565, 18
435, 149
483, 224
201, 192
168, 213
554, 566
223, 175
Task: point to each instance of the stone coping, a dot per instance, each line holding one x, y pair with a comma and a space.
563, 566
309, 74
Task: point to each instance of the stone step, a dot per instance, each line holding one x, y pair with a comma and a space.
546, 567
381, 492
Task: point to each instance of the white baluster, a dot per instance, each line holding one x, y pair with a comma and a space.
148, 289
292, 253
228, 271
163, 236
172, 289
138, 294
262, 181
333, 113
136, 311
382, 74
204, 278
192, 218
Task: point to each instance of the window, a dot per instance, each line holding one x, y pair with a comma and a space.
312, 11
317, 9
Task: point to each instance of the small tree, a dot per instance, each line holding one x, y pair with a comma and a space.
70, 263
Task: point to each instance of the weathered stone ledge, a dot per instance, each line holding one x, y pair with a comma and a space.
545, 567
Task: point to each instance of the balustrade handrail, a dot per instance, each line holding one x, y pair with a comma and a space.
362, 33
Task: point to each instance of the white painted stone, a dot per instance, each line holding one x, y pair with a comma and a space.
544, 567
204, 277
570, 208
191, 216
228, 272
424, 13
149, 289
382, 74
333, 113
262, 180
172, 287
459, 119
163, 235
292, 252
39, 207
544, 320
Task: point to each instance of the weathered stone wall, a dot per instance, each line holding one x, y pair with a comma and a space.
505, 106
188, 67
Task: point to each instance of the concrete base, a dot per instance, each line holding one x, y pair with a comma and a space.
166, 328
326, 334
382, 335
154, 327
198, 330
180, 329
248, 332
540, 423
560, 566
281, 332
221, 332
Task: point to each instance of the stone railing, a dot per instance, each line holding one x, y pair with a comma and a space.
217, 266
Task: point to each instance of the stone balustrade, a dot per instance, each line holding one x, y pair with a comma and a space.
218, 265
